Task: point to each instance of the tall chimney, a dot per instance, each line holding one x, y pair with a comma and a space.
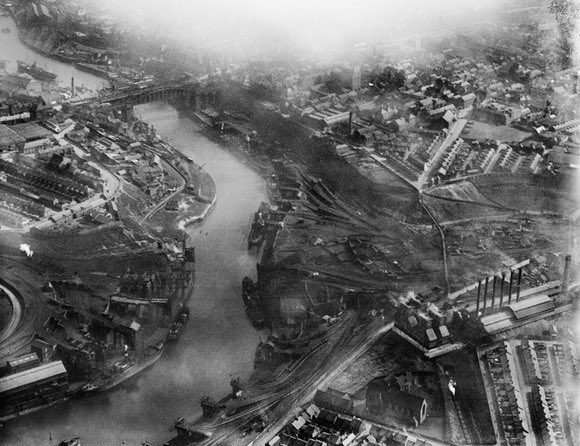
510, 288
72, 86
493, 294
519, 284
501, 290
485, 295
566, 276
478, 295
349, 122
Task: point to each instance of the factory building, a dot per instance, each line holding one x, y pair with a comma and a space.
32, 388
10, 140
389, 402
424, 323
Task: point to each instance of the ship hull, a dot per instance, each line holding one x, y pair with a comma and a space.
36, 72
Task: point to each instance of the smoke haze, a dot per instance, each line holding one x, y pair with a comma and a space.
257, 28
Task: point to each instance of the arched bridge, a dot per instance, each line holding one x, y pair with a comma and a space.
192, 93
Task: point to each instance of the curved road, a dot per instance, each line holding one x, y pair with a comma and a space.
16, 314
24, 277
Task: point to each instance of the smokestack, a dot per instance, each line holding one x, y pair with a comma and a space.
493, 294
501, 290
349, 122
478, 295
485, 295
519, 284
566, 276
72, 86
510, 288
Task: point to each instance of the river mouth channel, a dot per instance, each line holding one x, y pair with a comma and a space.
219, 341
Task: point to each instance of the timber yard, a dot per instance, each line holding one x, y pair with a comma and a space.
204, 248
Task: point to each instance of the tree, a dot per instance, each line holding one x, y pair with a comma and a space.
566, 14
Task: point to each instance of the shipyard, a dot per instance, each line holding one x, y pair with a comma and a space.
365, 237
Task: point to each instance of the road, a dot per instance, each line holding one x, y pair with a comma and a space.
454, 133
15, 317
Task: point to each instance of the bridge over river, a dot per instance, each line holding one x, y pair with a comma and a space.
191, 93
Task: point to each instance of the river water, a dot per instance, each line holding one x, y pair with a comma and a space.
219, 342
11, 50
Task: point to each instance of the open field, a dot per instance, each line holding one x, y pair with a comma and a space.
482, 131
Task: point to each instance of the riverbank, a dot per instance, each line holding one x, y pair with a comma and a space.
191, 202
35, 46
260, 165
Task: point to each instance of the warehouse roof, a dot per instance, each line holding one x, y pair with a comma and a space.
532, 306
9, 136
44, 371
31, 131
497, 321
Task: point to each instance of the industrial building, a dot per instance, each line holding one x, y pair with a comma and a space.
32, 388
389, 402
423, 322
517, 312
10, 140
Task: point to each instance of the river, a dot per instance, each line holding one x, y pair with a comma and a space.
11, 50
218, 342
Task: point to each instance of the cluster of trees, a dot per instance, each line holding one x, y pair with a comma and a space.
388, 79
566, 13
264, 90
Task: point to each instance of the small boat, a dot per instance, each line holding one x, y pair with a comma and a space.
178, 325
71, 442
89, 388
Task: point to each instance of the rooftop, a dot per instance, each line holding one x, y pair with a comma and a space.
30, 131
9, 136
532, 306
20, 379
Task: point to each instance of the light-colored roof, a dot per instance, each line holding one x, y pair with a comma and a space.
431, 334
135, 326
532, 306
44, 371
494, 318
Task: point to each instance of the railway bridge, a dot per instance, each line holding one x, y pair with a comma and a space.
190, 93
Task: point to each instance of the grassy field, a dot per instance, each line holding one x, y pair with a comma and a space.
482, 131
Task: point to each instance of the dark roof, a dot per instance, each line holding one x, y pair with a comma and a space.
9, 136
395, 397
333, 400
31, 131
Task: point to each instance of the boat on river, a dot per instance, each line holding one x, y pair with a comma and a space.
256, 235
35, 71
76, 441
178, 325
